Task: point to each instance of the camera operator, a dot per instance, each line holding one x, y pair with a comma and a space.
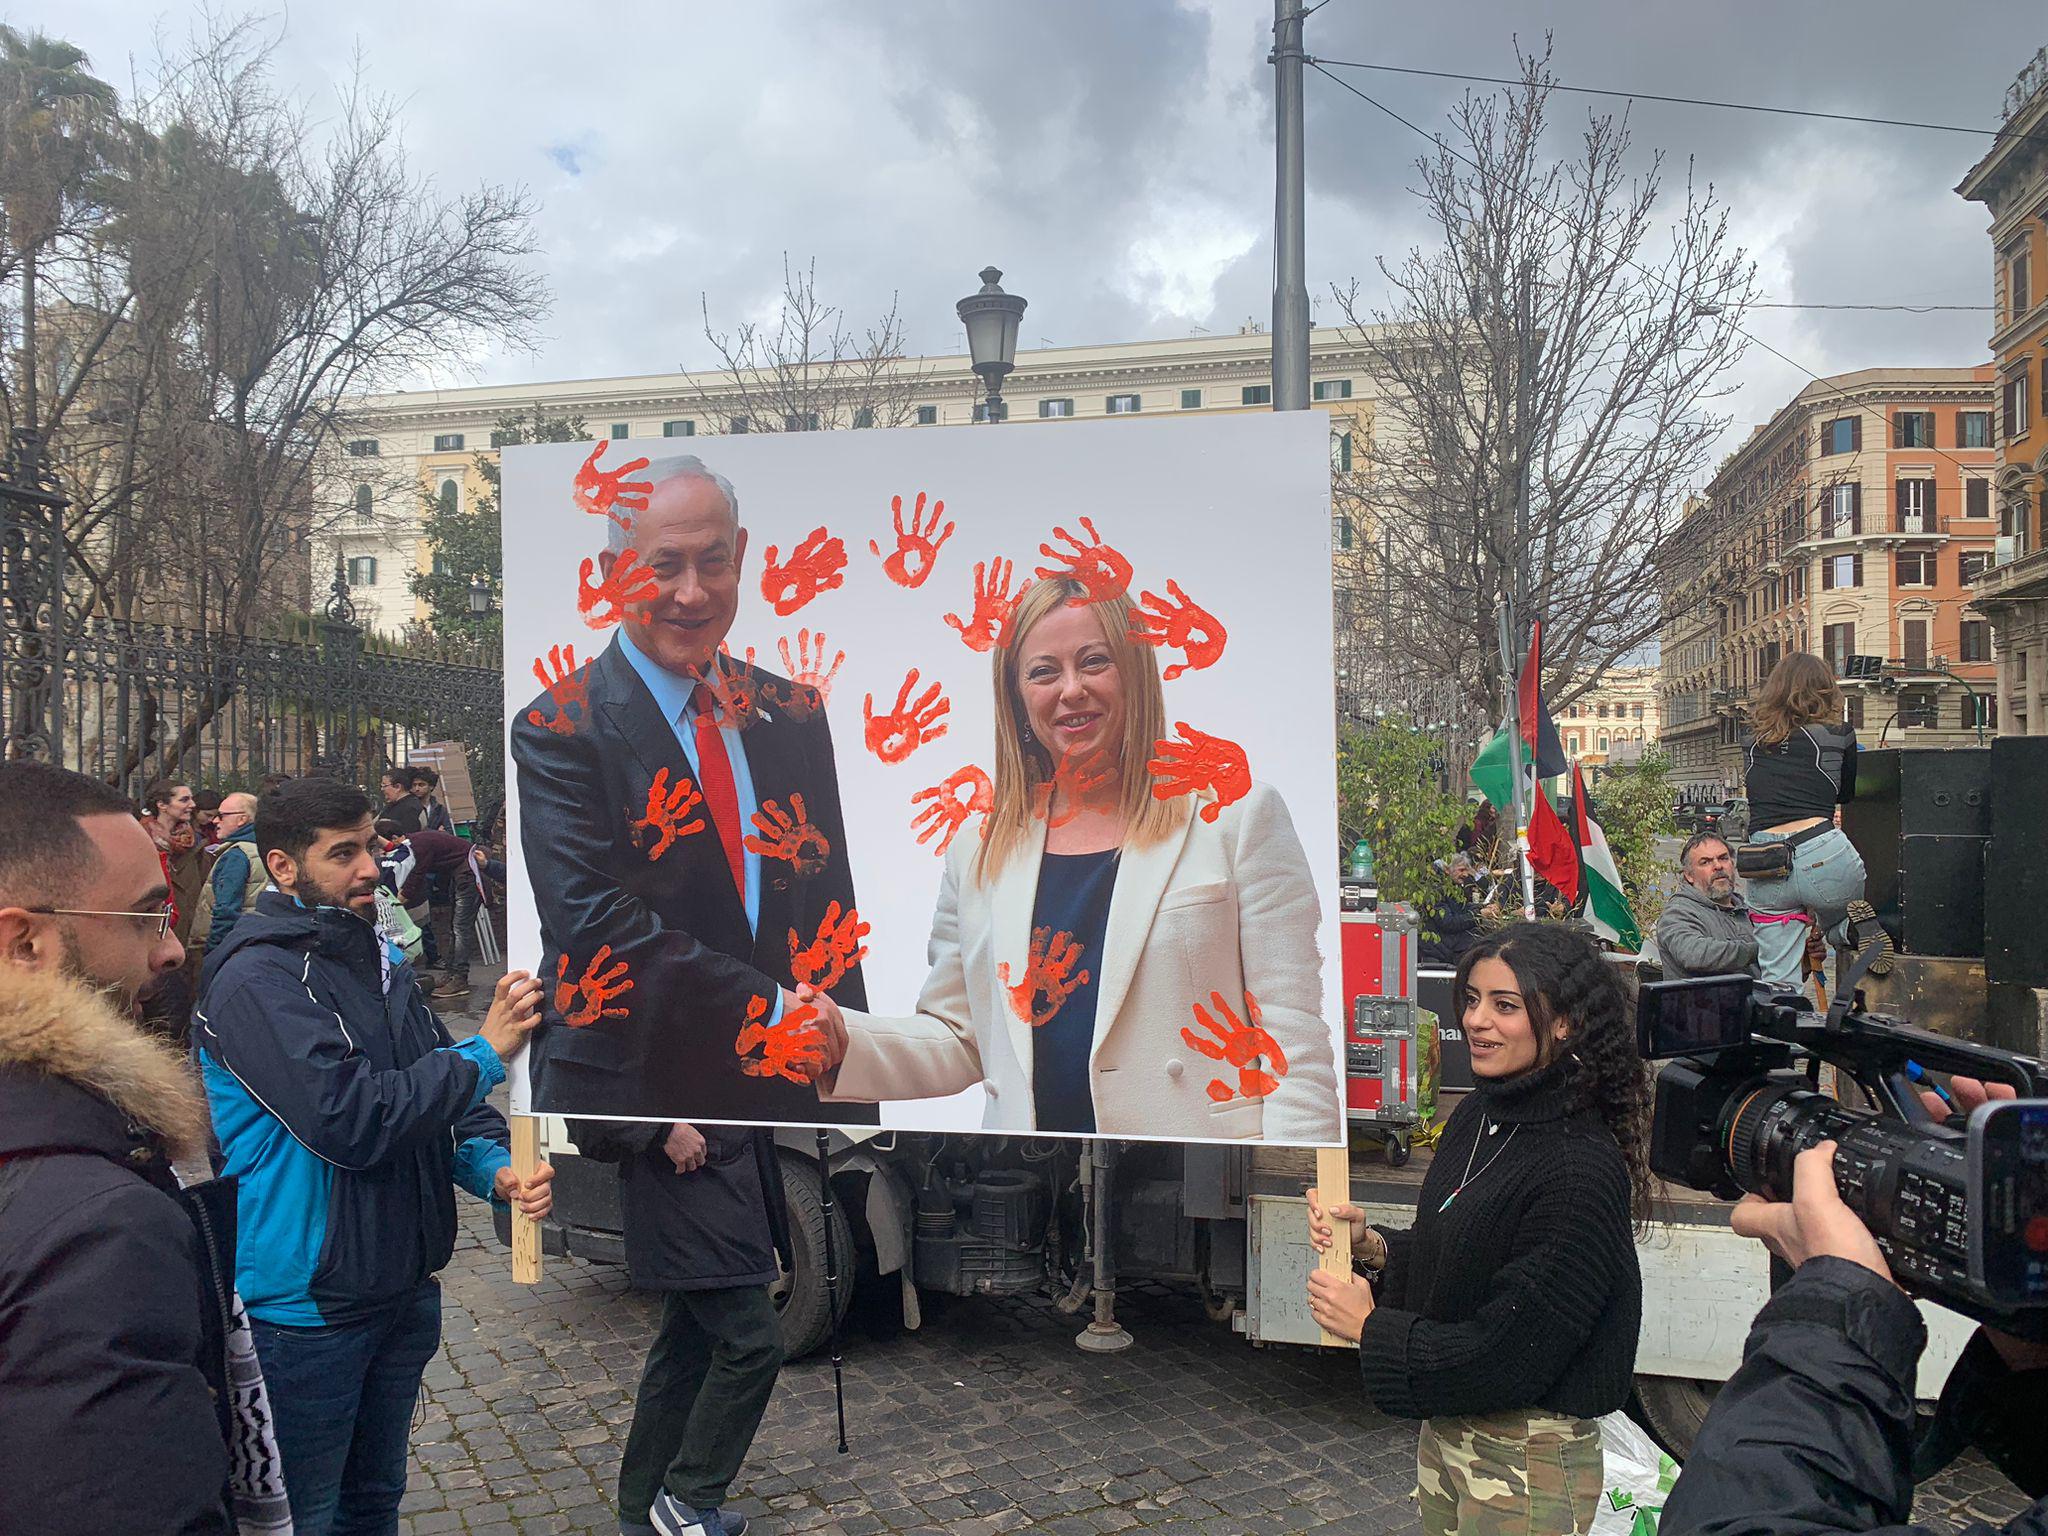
1815, 1432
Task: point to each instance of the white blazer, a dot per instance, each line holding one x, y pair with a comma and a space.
1222, 906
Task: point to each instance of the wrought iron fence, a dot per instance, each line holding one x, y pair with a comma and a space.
133, 702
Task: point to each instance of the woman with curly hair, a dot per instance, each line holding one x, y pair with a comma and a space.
1506, 1317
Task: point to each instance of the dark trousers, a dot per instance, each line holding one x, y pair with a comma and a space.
343, 1397
708, 1378
462, 930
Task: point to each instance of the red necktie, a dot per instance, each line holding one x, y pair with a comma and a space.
714, 778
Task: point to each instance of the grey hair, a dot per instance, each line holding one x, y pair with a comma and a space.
681, 466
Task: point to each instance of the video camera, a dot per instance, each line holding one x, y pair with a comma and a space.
1960, 1209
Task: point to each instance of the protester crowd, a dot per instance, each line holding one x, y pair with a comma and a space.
232, 1128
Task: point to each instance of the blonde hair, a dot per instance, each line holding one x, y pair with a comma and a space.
1024, 765
1801, 690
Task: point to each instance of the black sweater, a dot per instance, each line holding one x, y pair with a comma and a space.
1524, 1293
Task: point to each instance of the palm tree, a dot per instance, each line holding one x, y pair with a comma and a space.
53, 122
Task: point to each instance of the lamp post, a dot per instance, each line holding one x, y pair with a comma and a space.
479, 597
991, 317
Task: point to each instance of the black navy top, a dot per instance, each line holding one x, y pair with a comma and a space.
1807, 774
1072, 907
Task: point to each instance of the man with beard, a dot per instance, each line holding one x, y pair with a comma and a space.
120, 1391
1705, 929
347, 1114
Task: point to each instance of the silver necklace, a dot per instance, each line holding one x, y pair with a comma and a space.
1468, 1176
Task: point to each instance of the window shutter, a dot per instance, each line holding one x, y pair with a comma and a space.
1899, 420
1933, 507
1856, 571
1855, 434
1856, 507
1900, 503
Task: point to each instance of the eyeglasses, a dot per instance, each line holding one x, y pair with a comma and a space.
160, 919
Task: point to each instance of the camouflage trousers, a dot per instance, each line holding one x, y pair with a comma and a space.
1509, 1474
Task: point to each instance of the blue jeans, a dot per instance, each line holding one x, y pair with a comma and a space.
343, 1395
1827, 874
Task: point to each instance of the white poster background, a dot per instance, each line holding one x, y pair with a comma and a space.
1236, 509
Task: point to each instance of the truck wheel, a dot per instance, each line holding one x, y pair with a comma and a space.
1397, 1150
799, 1293
1673, 1408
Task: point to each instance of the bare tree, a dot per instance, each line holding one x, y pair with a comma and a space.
1546, 284
809, 372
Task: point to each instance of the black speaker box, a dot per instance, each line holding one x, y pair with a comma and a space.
2016, 864
1921, 819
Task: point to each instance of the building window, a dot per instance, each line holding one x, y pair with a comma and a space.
1844, 510
2015, 406
1601, 711
1121, 405
1048, 409
1340, 453
1002, 411
362, 571
739, 425
1258, 394
1977, 498
1916, 567
1838, 644
1913, 638
1636, 711
1913, 502
1853, 708
1340, 530
448, 442
1974, 640
1980, 709
679, 429
1190, 399
863, 417
1913, 429
1842, 435
451, 497
618, 430
499, 439
927, 415
1973, 429
1572, 743
800, 421
2019, 274
1841, 571
365, 501
441, 565
1972, 563
363, 448
1603, 741
1331, 389
1795, 524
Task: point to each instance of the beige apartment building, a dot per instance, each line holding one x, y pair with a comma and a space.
1853, 525
1615, 722
406, 446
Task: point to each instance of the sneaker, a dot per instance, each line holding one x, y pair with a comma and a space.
451, 986
672, 1517
1866, 933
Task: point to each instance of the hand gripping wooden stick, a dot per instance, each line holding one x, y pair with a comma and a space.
525, 1230
1333, 1184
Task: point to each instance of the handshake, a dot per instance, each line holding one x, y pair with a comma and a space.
805, 1045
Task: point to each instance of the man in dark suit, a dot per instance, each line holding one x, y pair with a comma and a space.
679, 815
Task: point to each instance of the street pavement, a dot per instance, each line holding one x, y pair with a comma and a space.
986, 1419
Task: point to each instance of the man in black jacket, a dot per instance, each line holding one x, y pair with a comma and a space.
114, 1383
348, 1115
1815, 1432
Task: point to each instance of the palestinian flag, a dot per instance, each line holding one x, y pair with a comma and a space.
1607, 907
1551, 853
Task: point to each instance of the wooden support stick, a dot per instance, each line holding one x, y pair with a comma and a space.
1333, 1188
525, 1230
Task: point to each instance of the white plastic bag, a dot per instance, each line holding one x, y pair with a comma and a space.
1637, 1481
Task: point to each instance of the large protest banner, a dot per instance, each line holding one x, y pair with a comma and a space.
1017, 745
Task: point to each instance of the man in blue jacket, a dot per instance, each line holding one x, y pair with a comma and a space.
347, 1114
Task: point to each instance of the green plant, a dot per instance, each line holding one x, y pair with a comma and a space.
1633, 807
1390, 792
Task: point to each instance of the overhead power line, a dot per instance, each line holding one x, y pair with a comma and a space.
1690, 101
1911, 309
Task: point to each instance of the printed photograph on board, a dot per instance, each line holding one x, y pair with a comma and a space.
943, 781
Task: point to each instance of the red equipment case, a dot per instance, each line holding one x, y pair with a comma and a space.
1382, 1046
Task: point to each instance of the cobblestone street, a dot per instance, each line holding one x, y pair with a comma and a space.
986, 1419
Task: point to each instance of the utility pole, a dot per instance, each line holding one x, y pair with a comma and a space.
1515, 616
1290, 268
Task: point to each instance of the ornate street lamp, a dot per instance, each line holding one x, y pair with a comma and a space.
479, 597
991, 317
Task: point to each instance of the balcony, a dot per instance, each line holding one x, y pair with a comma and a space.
2015, 581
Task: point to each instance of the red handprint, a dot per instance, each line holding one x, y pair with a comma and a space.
569, 686
667, 805
1074, 782
734, 687
1257, 1055
788, 1046
917, 548
602, 492
994, 606
949, 809
787, 835
807, 668
1191, 627
605, 603
596, 985
1099, 568
836, 950
894, 736
1049, 973
816, 565
1197, 762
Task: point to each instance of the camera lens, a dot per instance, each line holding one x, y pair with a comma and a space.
1767, 1127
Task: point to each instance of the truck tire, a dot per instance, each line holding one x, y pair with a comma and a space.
1673, 1408
800, 1293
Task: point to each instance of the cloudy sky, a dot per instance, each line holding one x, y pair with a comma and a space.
1114, 158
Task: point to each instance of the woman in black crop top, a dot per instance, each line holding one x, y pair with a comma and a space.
1799, 764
